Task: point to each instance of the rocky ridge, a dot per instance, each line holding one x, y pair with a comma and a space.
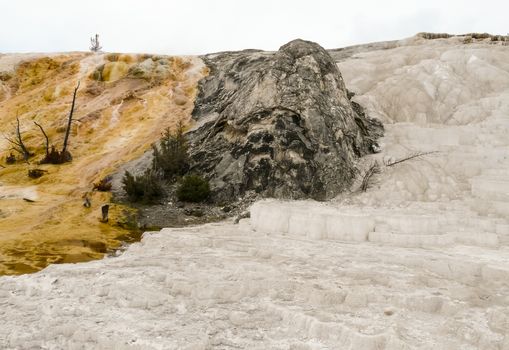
280, 124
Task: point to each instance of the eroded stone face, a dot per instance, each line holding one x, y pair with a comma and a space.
281, 124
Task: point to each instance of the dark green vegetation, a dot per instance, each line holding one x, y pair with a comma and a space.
170, 158
169, 164
193, 188
144, 188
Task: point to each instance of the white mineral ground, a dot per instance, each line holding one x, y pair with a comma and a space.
419, 261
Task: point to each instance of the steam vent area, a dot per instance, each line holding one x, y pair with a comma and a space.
363, 192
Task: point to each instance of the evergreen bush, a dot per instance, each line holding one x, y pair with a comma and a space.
170, 157
144, 188
193, 188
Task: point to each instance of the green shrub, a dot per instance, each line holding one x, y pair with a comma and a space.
193, 188
144, 188
170, 158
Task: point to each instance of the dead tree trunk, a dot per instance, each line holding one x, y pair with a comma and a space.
26, 154
17, 143
105, 210
46, 137
366, 180
66, 155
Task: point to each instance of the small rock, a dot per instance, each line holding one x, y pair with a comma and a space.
388, 312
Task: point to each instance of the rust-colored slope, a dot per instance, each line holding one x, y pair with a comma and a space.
123, 104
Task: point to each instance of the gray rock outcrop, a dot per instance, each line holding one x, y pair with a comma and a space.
280, 124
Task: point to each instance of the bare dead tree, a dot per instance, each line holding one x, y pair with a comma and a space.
95, 46
412, 156
52, 156
66, 156
17, 143
26, 153
45, 136
367, 178
375, 168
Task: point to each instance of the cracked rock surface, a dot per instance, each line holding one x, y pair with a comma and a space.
280, 124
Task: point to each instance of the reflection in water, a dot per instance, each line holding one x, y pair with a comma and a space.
34, 258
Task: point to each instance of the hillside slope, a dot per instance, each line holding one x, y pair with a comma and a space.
123, 104
263, 124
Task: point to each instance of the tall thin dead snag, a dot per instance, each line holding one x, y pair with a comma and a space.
64, 152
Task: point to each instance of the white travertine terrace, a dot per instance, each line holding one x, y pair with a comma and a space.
419, 261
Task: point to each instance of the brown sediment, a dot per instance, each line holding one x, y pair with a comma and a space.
117, 120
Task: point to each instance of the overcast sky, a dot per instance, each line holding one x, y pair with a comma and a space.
201, 26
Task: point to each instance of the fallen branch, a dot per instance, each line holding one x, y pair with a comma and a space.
413, 156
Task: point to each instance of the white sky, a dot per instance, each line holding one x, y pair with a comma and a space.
201, 26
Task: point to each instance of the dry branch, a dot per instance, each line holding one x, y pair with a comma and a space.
45, 136
413, 156
366, 179
17, 143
